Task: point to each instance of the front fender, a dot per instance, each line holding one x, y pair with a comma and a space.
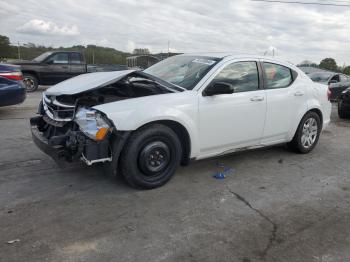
131, 116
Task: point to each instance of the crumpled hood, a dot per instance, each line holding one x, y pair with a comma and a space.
86, 82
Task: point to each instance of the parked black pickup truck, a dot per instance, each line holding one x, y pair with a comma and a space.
55, 66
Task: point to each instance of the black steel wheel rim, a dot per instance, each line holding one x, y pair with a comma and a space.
154, 158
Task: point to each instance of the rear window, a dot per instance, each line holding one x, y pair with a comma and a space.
320, 77
277, 76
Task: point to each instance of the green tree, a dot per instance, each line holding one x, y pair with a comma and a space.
6, 50
93, 54
329, 64
346, 70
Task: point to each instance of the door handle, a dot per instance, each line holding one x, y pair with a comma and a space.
257, 98
299, 93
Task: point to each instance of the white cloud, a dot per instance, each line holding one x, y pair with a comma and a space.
297, 32
173, 50
41, 27
130, 46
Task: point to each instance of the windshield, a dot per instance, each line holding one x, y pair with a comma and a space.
183, 71
42, 57
320, 77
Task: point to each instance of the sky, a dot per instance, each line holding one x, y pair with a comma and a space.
294, 32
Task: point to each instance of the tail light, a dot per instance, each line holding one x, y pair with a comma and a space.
329, 94
14, 75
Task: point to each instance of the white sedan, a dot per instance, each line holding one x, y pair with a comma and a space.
193, 106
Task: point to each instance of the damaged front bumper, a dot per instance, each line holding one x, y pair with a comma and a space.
71, 146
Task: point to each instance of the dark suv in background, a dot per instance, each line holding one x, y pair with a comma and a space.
337, 82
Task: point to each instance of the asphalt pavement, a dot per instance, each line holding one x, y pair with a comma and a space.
273, 205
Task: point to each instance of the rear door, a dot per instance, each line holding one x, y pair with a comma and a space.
56, 69
286, 100
77, 64
230, 121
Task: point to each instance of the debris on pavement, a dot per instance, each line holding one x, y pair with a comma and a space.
13, 241
219, 175
222, 171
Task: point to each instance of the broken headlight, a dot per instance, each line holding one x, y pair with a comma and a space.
92, 123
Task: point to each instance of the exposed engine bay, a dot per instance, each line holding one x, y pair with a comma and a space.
70, 127
132, 86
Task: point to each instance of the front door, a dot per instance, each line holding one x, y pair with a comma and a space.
230, 121
57, 68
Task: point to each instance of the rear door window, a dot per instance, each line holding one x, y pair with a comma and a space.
75, 58
277, 76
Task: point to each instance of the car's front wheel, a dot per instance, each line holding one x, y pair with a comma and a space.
151, 156
307, 134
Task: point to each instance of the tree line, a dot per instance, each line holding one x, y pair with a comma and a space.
105, 55
328, 64
93, 54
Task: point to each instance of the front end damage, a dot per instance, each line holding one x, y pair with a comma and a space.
68, 128
67, 141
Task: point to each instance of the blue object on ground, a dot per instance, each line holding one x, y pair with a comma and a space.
219, 175
222, 171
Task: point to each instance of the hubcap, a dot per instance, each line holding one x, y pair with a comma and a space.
154, 158
29, 83
309, 133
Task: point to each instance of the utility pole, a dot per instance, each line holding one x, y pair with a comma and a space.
19, 51
168, 48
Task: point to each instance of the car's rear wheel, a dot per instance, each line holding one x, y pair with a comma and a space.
151, 156
31, 82
307, 134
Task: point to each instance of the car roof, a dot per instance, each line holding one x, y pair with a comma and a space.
324, 73
229, 56
59, 51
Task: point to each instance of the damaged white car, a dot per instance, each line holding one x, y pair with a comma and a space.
143, 124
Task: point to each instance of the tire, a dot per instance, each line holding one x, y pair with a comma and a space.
341, 111
307, 134
31, 82
150, 157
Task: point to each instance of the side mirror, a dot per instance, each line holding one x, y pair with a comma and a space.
333, 82
218, 88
